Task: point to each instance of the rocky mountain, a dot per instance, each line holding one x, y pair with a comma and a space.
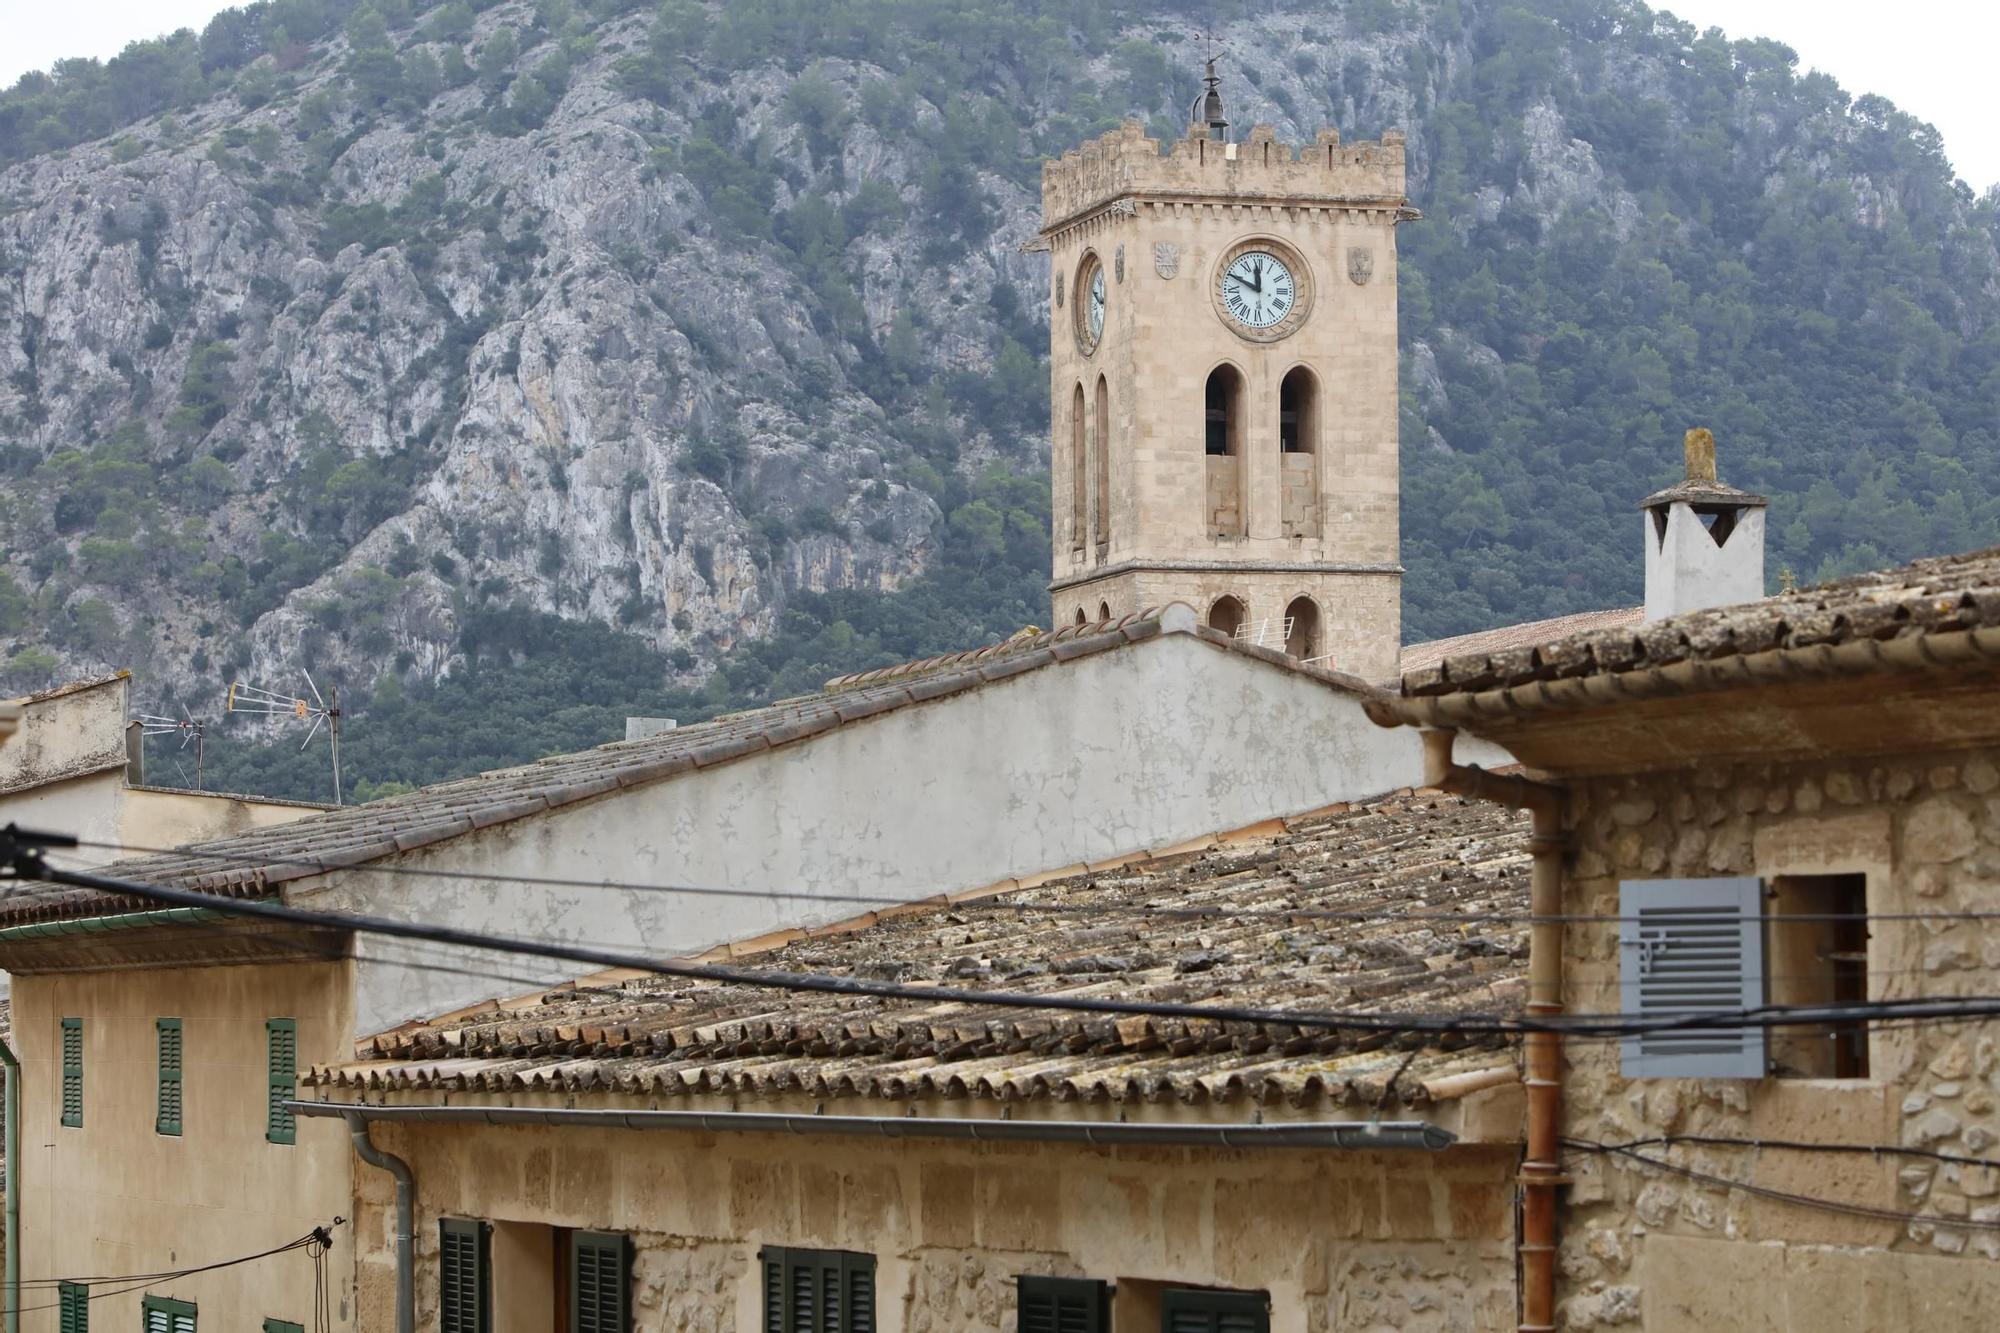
386, 336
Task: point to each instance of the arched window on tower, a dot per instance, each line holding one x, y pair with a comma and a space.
1223, 436
1078, 496
1102, 419
1081, 619
1227, 615
1103, 612
1302, 628
1298, 460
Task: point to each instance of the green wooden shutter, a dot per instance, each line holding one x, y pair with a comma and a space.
73, 1307
281, 1037
598, 1283
282, 1326
818, 1291
168, 1121
1063, 1305
1214, 1311
72, 1072
162, 1315
465, 1290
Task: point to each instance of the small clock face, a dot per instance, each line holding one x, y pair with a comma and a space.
1088, 303
1258, 289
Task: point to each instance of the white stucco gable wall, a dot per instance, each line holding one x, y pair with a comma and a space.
1142, 747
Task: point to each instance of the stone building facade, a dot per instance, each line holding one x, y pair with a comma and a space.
1793, 802
1240, 458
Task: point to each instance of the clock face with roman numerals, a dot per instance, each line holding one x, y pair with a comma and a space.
1089, 303
1258, 289
1263, 289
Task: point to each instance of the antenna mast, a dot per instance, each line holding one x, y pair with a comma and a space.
191, 732
320, 710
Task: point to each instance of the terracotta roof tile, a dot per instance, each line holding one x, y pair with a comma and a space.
1400, 854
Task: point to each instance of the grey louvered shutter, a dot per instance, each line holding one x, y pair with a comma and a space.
168, 1118
1063, 1305
1691, 946
464, 1287
1214, 1312
597, 1283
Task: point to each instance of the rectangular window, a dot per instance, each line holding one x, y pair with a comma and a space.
1184, 1311
1817, 935
1063, 1305
162, 1315
281, 1038
818, 1291
598, 1267
72, 1072
465, 1280
168, 1118
1688, 947
72, 1307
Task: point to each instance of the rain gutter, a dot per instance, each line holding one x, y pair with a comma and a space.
1347, 1135
97, 925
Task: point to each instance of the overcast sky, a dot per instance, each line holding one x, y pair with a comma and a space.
1931, 57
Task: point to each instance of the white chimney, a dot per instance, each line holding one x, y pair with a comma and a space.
1704, 540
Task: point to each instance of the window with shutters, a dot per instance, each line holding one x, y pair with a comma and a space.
1063, 1305
1687, 948
72, 1072
282, 1326
1816, 930
1184, 1311
281, 1040
465, 1284
72, 1307
160, 1314
599, 1264
168, 1118
818, 1291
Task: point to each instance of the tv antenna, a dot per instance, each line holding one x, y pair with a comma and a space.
187, 728
321, 711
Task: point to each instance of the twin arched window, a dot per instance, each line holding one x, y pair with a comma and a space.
1224, 439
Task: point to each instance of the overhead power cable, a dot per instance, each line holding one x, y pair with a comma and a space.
21, 850
997, 902
315, 1241
1781, 1196
1801, 1145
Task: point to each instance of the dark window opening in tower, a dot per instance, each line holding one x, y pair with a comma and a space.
1302, 628
1080, 618
1077, 472
1226, 615
1103, 440
1297, 413
1224, 388
1103, 611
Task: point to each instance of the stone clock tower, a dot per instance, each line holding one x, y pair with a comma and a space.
1224, 362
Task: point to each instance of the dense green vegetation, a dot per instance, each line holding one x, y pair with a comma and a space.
1749, 248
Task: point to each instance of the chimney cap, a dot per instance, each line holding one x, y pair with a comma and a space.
1701, 487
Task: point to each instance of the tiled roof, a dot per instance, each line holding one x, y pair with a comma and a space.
1399, 854
1928, 597
1420, 656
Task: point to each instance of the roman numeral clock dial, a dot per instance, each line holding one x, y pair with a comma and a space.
1260, 291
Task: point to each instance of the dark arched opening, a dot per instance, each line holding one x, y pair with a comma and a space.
1298, 446
1078, 497
1103, 611
1222, 405
1227, 615
1302, 628
1103, 439
1081, 619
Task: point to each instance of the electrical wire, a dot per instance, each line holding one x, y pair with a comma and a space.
1781, 1196
1799, 1145
998, 903
131, 1282
29, 865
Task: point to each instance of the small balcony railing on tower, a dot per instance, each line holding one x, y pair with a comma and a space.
1271, 632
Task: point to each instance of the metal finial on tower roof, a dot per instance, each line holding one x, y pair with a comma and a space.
1206, 113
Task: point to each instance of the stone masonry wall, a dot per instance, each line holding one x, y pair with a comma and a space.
1642, 1247
1413, 1241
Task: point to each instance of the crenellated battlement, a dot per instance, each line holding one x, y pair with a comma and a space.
1127, 163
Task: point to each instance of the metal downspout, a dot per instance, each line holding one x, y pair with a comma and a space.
1541, 1169
406, 1223
13, 1167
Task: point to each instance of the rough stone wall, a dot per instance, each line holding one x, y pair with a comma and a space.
1411, 1241
1643, 1247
